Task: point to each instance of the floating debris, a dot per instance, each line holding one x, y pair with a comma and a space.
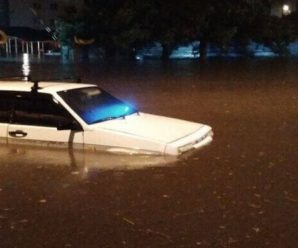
24, 221
42, 201
128, 221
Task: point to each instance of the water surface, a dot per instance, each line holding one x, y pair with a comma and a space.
240, 191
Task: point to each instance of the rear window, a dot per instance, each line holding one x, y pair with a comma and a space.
38, 109
6, 101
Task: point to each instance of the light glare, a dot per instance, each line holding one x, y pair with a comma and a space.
26, 65
286, 9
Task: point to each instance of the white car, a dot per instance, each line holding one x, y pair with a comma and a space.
83, 115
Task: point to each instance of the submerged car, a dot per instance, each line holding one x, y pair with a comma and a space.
84, 115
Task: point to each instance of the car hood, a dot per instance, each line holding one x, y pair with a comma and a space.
148, 126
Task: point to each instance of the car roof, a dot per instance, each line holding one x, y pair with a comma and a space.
44, 87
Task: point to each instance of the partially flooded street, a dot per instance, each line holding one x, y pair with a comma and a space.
239, 191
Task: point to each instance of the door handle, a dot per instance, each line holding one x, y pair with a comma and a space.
17, 134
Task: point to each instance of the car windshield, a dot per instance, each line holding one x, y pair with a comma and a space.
94, 105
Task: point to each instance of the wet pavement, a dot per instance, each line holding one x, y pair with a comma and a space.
240, 191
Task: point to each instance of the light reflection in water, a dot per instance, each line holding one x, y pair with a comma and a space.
26, 65
82, 161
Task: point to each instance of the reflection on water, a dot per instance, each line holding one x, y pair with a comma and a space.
26, 65
79, 160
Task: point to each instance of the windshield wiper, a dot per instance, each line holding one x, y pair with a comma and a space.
114, 117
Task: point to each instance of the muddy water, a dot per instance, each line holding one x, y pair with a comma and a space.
240, 191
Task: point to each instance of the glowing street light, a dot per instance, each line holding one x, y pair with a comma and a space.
286, 9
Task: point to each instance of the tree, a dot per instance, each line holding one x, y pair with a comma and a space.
66, 24
223, 21
165, 22
123, 26
115, 24
276, 33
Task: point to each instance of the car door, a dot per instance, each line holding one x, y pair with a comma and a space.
5, 110
36, 118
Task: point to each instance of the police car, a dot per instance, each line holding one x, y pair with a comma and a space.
86, 116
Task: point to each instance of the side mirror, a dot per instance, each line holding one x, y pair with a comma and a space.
68, 125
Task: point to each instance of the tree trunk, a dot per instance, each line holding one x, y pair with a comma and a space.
65, 54
203, 49
110, 52
85, 52
132, 53
165, 52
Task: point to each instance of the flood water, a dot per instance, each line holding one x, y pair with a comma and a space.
239, 191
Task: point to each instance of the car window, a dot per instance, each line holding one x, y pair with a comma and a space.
6, 101
39, 110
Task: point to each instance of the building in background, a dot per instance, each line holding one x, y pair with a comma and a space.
28, 25
32, 13
4, 13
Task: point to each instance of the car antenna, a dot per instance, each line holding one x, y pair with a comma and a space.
35, 86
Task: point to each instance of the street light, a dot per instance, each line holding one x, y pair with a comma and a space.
286, 9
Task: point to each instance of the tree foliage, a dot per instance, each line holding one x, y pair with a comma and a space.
122, 26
